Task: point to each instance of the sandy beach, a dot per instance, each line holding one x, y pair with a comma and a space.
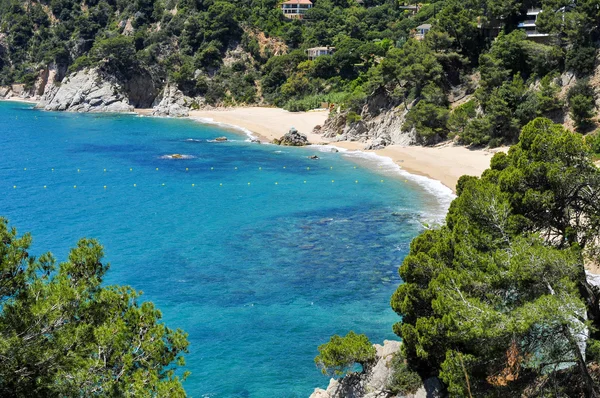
267, 123
445, 163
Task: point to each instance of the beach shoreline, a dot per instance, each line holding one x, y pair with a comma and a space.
445, 163
18, 99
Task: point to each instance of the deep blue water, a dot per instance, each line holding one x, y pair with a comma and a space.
265, 257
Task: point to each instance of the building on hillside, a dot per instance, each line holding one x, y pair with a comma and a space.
529, 23
422, 30
316, 52
295, 9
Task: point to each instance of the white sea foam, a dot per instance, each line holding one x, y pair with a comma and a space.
207, 120
444, 195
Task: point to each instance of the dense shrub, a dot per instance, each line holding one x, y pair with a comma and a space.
581, 103
341, 354
404, 381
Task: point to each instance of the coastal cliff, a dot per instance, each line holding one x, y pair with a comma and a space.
376, 381
87, 91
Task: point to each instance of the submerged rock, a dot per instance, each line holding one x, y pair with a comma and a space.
292, 138
221, 139
314, 157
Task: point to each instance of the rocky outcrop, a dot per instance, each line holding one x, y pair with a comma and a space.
378, 125
172, 102
87, 91
292, 138
373, 384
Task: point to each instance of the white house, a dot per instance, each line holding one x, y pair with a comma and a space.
422, 30
295, 9
316, 52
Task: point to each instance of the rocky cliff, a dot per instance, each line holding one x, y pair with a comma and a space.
379, 124
171, 102
373, 384
87, 91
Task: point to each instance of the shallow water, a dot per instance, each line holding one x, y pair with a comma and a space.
258, 252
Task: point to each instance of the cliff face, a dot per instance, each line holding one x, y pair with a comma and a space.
379, 124
87, 91
171, 102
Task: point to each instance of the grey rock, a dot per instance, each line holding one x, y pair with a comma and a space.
371, 384
380, 124
221, 139
172, 102
292, 138
86, 91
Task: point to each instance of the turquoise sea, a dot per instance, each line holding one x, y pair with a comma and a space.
258, 252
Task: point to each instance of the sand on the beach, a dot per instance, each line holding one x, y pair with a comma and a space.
267, 123
445, 163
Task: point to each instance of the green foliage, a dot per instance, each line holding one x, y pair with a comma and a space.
118, 52
498, 294
341, 354
581, 60
62, 333
185, 42
581, 103
593, 141
404, 380
352, 117
460, 116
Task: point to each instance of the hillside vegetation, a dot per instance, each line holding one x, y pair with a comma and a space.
460, 82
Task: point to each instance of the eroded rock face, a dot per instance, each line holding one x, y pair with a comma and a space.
292, 138
380, 125
171, 102
87, 91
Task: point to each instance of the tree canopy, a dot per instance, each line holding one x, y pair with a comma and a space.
496, 300
62, 333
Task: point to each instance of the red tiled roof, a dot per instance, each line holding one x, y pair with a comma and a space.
297, 2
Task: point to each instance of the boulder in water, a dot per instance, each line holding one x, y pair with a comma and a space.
314, 157
292, 138
221, 139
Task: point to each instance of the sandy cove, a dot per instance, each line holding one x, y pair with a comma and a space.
446, 163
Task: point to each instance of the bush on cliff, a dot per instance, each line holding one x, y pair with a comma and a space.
341, 354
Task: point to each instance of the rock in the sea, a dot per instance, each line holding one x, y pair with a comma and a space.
87, 91
255, 140
176, 156
314, 157
292, 138
221, 139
